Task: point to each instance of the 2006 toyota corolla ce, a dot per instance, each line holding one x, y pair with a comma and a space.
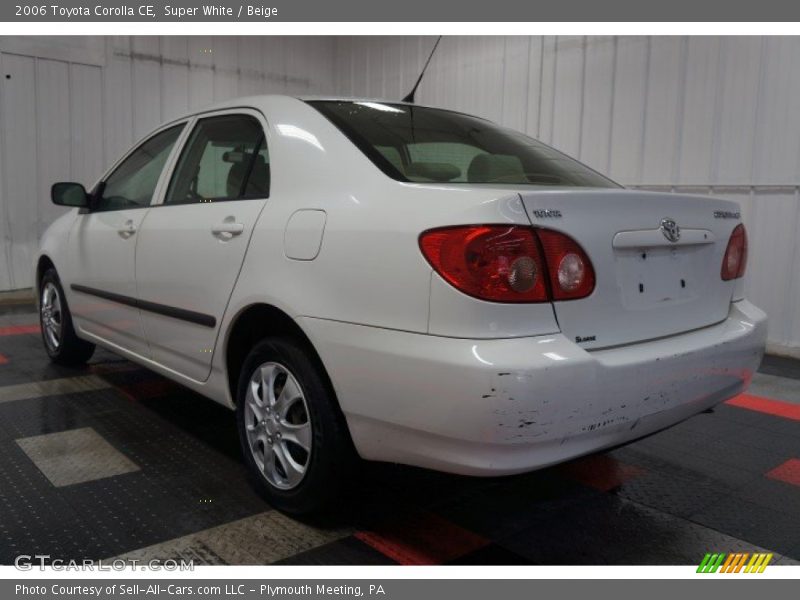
402, 283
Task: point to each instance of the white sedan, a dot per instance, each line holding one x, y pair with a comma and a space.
400, 283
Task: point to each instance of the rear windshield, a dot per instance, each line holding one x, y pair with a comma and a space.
427, 145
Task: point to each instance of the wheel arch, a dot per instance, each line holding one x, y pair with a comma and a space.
251, 325
42, 265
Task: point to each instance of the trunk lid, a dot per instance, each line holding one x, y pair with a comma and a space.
647, 286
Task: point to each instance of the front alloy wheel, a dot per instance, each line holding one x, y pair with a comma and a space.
62, 344
51, 316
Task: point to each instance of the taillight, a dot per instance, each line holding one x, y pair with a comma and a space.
571, 272
509, 263
735, 259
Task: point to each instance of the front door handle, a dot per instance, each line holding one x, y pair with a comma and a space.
227, 229
127, 230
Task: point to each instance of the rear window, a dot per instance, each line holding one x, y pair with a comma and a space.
429, 145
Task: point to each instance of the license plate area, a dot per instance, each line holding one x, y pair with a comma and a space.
658, 276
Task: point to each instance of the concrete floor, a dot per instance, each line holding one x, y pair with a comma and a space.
113, 460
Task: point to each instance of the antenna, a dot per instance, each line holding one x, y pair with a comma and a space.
410, 97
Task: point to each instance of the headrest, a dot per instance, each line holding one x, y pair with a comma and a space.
235, 156
432, 171
258, 182
488, 168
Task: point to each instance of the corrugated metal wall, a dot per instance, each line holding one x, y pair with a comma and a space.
708, 115
70, 106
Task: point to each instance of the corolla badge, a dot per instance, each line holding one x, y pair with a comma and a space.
670, 230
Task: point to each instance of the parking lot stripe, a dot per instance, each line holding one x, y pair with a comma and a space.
778, 408
424, 539
75, 456
256, 540
19, 329
788, 472
52, 387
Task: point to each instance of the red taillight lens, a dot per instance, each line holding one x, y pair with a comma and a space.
491, 262
735, 259
504, 263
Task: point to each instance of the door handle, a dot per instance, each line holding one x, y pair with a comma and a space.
227, 229
127, 230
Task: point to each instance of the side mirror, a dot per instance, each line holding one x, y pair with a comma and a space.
67, 193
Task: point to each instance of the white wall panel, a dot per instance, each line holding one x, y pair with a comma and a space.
117, 98
515, 82
226, 73
174, 76
628, 108
549, 67
86, 124
53, 135
567, 107
201, 72
598, 93
20, 192
777, 155
251, 66
740, 90
662, 102
700, 110
146, 87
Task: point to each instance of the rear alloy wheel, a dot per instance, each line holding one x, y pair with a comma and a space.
293, 436
62, 345
278, 425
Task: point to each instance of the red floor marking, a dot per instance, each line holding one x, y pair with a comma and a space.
422, 539
788, 472
19, 329
3, 360
600, 471
787, 410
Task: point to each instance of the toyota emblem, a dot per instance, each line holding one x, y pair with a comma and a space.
670, 230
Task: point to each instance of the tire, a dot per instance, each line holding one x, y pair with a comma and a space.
62, 345
274, 429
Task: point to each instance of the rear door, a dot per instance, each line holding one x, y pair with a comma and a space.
191, 245
651, 280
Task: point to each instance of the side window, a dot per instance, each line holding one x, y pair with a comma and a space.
225, 159
133, 182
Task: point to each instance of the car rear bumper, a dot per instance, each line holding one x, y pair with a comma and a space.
494, 407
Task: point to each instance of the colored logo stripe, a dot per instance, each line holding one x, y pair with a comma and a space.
733, 563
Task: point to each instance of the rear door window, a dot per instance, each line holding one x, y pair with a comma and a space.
225, 158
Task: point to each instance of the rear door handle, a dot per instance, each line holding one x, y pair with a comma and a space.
226, 230
127, 230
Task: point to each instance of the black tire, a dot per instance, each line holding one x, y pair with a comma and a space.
330, 463
69, 350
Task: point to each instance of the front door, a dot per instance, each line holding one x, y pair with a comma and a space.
191, 247
102, 244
